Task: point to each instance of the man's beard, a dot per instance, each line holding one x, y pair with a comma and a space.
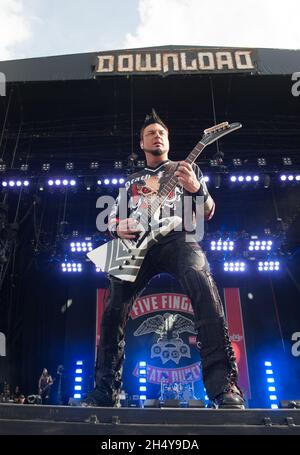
155, 152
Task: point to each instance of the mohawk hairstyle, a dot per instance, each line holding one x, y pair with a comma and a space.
152, 118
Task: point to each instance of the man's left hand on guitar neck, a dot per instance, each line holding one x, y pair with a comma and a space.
187, 177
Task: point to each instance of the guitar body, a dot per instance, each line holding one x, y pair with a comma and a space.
123, 258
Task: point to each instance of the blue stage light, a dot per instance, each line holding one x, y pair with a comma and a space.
268, 266
222, 245
273, 397
234, 266
71, 267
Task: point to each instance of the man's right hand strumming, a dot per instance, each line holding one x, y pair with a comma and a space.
128, 228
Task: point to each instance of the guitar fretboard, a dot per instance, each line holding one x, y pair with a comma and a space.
168, 187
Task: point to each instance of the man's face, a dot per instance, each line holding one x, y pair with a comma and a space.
155, 140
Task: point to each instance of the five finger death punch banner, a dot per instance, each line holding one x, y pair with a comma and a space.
160, 331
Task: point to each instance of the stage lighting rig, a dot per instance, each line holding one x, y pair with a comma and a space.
46, 167
69, 166
24, 167
94, 165
287, 161
237, 162
261, 161
118, 164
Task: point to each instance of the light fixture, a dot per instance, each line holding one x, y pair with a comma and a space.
46, 166
118, 164
268, 266
234, 266
261, 161
287, 161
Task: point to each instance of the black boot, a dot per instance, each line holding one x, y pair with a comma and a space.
230, 398
219, 368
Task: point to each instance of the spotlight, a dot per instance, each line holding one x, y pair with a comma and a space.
45, 166
222, 245
81, 246
261, 161
268, 266
217, 181
234, 266
88, 183
214, 163
206, 178
70, 267
237, 162
69, 166
260, 245
24, 167
118, 164
2, 167
94, 165
266, 181
141, 163
287, 161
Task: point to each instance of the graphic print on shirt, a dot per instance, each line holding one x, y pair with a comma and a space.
144, 192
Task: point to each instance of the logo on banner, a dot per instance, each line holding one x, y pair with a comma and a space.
169, 345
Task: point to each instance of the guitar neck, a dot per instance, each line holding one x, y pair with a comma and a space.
172, 182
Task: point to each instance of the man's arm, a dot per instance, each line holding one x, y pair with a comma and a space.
192, 180
209, 203
119, 225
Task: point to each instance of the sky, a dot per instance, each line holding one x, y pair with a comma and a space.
36, 28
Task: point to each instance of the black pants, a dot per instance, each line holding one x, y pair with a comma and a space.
186, 262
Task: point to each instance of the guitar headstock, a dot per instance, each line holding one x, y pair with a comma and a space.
217, 131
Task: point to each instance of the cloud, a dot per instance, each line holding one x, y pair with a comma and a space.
247, 23
15, 26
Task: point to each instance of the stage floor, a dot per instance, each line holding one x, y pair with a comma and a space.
69, 420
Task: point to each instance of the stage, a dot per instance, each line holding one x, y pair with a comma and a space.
69, 420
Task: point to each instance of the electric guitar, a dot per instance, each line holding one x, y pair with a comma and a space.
123, 258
